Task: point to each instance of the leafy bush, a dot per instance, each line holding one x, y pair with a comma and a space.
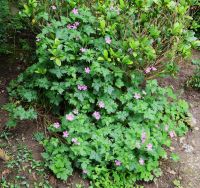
123, 131
92, 67
4, 14
146, 33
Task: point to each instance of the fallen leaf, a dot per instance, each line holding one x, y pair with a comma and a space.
5, 172
3, 155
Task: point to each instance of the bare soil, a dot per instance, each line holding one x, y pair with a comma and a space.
187, 171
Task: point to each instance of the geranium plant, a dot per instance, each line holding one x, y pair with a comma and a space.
92, 71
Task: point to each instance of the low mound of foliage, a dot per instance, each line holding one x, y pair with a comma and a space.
93, 69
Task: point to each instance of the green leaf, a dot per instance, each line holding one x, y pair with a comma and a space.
175, 157
105, 53
58, 62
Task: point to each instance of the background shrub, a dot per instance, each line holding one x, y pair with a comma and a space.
4, 18
148, 35
195, 13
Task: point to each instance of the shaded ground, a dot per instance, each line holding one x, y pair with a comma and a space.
185, 173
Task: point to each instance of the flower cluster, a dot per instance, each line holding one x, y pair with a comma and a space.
65, 134
149, 69
70, 117
56, 125
96, 115
137, 96
75, 11
108, 40
87, 70
73, 26
101, 104
82, 87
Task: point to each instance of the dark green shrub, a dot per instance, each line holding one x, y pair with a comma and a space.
4, 18
195, 13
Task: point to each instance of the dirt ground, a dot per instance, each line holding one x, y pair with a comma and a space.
184, 174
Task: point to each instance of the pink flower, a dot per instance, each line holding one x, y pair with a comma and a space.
69, 26
101, 104
172, 134
73, 26
149, 147
75, 11
70, 117
83, 50
77, 23
108, 40
148, 70
87, 70
137, 96
118, 163
65, 134
143, 137
82, 87
153, 68
56, 125
96, 115
53, 7
79, 87
75, 141
141, 161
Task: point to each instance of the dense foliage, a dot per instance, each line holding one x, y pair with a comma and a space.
93, 66
142, 29
195, 13
124, 132
4, 14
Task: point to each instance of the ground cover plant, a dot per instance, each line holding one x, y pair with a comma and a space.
94, 70
22, 163
194, 81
